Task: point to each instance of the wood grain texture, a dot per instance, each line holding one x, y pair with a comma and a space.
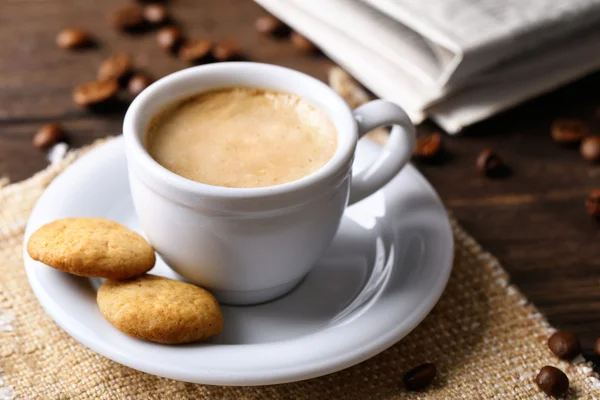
533, 221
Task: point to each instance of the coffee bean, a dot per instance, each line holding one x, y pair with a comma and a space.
564, 345
138, 83
117, 67
428, 147
597, 347
269, 25
96, 92
569, 131
590, 148
227, 50
128, 17
73, 38
592, 203
48, 135
552, 381
169, 38
302, 44
195, 50
491, 165
419, 377
156, 14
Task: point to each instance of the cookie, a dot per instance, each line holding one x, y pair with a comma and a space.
160, 310
92, 247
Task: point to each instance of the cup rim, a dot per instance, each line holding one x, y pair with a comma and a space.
137, 152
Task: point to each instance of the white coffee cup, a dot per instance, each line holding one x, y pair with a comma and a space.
250, 245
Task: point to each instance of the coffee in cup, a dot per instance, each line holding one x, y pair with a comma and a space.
242, 137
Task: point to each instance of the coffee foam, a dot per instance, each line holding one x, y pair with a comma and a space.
242, 137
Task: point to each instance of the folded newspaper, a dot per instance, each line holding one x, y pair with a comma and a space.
456, 61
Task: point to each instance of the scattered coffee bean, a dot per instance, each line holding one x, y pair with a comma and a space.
302, 44
491, 165
428, 147
96, 92
73, 38
169, 38
597, 347
569, 131
156, 14
195, 50
564, 345
269, 25
592, 203
129, 17
419, 377
227, 50
48, 135
138, 83
118, 67
590, 148
552, 381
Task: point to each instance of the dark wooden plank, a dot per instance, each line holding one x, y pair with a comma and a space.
36, 77
19, 159
534, 221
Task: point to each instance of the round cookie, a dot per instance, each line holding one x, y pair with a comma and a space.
160, 310
92, 247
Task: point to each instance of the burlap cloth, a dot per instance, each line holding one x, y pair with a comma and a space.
485, 338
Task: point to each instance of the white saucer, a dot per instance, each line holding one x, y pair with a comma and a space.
385, 270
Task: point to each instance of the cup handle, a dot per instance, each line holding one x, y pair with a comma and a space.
394, 155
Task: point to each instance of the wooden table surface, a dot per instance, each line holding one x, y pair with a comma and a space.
534, 221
